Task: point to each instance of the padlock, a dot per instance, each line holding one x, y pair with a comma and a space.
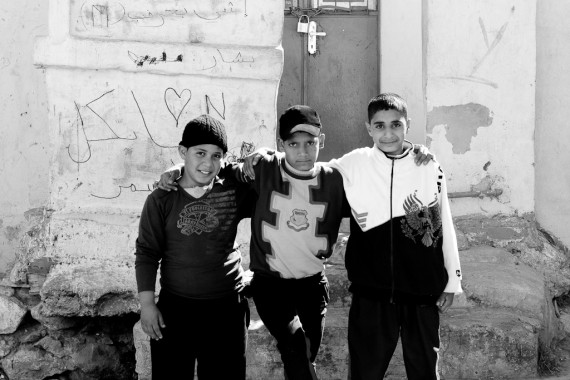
303, 24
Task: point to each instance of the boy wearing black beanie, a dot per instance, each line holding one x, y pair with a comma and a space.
294, 226
200, 316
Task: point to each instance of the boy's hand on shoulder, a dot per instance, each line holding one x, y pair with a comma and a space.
444, 302
253, 158
151, 321
423, 155
167, 180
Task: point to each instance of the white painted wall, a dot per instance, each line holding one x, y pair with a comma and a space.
477, 56
401, 59
480, 89
553, 118
123, 79
24, 138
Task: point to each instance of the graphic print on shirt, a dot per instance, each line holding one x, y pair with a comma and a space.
361, 219
298, 220
197, 217
293, 238
420, 221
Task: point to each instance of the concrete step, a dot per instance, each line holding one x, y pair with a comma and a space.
475, 344
491, 332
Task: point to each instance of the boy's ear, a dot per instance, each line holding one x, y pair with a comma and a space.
182, 151
321, 141
368, 128
409, 121
280, 145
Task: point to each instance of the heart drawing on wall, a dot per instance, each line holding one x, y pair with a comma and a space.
176, 102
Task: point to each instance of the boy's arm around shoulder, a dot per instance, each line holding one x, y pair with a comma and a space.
168, 179
347, 163
450, 250
265, 168
251, 160
236, 172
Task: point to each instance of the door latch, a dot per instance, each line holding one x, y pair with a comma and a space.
313, 34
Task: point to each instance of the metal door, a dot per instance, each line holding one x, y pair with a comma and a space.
339, 79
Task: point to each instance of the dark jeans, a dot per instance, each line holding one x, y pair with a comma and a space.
212, 333
294, 313
373, 331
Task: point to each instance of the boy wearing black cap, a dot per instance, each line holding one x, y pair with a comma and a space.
200, 315
294, 226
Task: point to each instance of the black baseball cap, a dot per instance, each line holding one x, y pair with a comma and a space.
299, 118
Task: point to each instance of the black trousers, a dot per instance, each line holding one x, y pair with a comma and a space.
373, 331
211, 333
294, 313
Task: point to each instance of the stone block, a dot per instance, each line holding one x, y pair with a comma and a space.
94, 289
493, 277
52, 323
499, 231
12, 312
488, 344
73, 354
6, 291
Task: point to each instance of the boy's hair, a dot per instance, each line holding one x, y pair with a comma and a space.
299, 118
205, 130
387, 101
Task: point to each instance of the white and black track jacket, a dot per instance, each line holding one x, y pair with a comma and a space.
402, 244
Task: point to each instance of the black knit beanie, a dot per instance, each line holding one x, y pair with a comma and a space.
204, 130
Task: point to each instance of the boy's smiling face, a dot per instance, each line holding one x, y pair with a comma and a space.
201, 164
302, 149
388, 129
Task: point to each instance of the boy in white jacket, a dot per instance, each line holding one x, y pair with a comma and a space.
401, 257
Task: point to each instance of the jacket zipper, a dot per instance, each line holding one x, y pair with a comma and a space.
392, 234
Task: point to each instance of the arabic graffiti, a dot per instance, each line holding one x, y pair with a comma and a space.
210, 104
146, 126
175, 103
95, 122
99, 126
94, 15
238, 58
140, 60
132, 187
103, 15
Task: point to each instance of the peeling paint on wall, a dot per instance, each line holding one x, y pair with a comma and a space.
461, 123
12, 233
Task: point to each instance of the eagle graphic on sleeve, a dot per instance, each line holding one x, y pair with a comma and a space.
421, 222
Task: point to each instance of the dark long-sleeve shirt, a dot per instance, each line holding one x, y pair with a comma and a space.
193, 240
